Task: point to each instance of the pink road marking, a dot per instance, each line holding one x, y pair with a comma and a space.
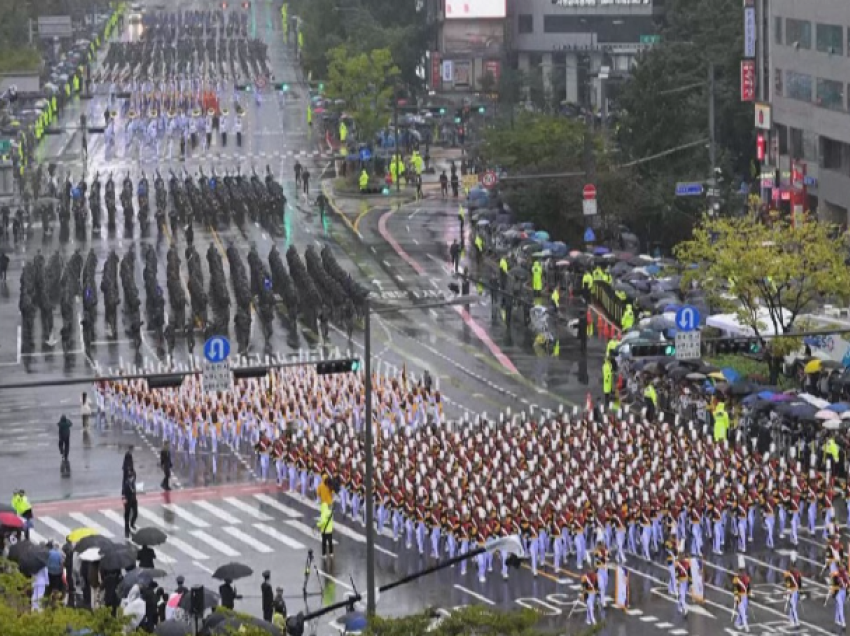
470, 322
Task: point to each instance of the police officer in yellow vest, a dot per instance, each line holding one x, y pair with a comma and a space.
598, 273
479, 248
364, 181
608, 380
830, 452
613, 343
650, 401
417, 161
503, 272
606, 276
556, 298
343, 131
537, 277
721, 422
23, 509
325, 524
587, 284
628, 319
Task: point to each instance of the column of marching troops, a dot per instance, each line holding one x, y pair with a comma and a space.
596, 487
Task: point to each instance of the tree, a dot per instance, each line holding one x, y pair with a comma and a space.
773, 272
365, 82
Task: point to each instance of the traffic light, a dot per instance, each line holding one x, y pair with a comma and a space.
284, 88
652, 350
350, 365
321, 87
171, 381
248, 373
481, 110
737, 345
442, 111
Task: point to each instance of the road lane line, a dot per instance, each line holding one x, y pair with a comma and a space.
247, 539
214, 543
480, 597
274, 534
155, 519
218, 512
185, 514
249, 510
274, 503
88, 522
186, 549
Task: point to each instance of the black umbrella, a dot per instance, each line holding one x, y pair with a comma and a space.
211, 600
142, 576
232, 571
29, 557
150, 536
173, 628
118, 557
93, 541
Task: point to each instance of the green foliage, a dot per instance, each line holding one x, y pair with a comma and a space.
16, 618
756, 371
20, 59
772, 273
365, 82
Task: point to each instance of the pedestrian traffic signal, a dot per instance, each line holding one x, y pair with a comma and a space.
349, 365
655, 349
321, 87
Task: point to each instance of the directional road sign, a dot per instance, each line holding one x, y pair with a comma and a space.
589, 236
689, 189
687, 318
589, 191
216, 349
688, 345
216, 377
365, 154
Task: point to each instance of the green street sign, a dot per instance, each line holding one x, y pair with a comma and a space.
650, 39
5, 146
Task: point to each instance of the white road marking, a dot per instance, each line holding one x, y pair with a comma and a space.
274, 534
185, 514
241, 505
214, 543
634, 612
35, 537
186, 549
274, 503
203, 567
113, 516
648, 619
88, 522
218, 512
664, 625
247, 539
480, 597
155, 519
305, 529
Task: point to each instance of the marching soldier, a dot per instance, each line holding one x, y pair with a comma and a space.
793, 587
741, 592
683, 579
263, 447
600, 557
589, 590
839, 582
278, 454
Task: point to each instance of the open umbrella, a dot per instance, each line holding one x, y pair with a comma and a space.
839, 407
142, 576
234, 623
81, 533
211, 600
29, 557
826, 415
834, 425
150, 536
11, 520
119, 557
813, 366
173, 628
695, 376
232, 571
94, 541
92, 554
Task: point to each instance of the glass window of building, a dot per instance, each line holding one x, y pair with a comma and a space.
525, 23
830, 94
777, 30
798, 86
799, 33
777, 82
830, 38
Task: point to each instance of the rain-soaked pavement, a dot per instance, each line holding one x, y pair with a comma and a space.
219, 513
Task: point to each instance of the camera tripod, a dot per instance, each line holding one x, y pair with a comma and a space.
311, 568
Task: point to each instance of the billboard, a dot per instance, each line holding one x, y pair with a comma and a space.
748, 80
472, 9
749, 32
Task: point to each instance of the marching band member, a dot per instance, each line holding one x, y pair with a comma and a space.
793, 587
741, 592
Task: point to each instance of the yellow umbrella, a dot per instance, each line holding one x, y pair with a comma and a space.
717, 376
813, 366
81, 533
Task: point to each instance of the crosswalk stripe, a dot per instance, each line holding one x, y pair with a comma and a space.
218, 512
664, 625
185, 514
274, 534
35, 537
247, 539
236, 503
113, 516
54, 525
304, 528
274, 503
214, 543
186, 549
155, 519
88, 522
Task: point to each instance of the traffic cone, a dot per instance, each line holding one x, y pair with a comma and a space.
588, 403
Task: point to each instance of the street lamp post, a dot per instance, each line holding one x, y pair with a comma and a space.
369, 486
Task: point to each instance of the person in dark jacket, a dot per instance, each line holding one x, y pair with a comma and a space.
228, 594
150, 620
128, 462
146, 557
64, 425
131, 502
68, 550
165, 464
111, 579
268, 597
181, 588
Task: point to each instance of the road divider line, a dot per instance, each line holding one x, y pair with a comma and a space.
54, 525
186, 549
476, 595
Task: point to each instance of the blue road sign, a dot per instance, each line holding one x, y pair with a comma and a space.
687, 318
365, 154
216, 349
689, 189
589, 236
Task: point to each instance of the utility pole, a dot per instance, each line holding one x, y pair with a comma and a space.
397, 143
712, 145
369, 485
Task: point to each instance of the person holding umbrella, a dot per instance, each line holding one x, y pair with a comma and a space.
229, 573
228, 594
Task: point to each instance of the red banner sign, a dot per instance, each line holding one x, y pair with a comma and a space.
436, 70
494, 68
748, 80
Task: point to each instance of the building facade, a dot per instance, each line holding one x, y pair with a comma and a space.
809, 92
571, 44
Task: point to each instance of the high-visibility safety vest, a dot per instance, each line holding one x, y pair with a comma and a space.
325, 524
556, 297
721, 423
364, 180
587, 281
628, 319
650, 394
537, 276
503, 265
479, 243
607, 377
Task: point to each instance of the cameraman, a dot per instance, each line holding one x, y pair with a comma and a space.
326, 528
